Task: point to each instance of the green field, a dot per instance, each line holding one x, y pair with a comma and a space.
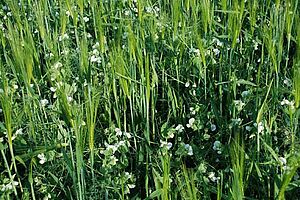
149, 99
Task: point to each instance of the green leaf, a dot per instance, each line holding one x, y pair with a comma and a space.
163, 128
2, 127
18, 158
155, 194
244, 82
2, 147
258, 171
56, 179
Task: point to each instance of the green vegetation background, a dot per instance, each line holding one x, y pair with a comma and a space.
142, 99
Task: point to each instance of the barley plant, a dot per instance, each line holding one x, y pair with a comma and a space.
149, 99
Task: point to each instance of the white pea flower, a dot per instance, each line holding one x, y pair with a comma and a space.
113, 160
128, 135
284, 101
85, 83
260, 127
118, 131
131, 186
255, 45
9, 186
252, 136
48, 196
96, 45
95, 59
217, 41
15, 183
128, 175
189, 149
148, 9
171, 135
207, 52
179, 128
69, 99
248, 128
213, 127
287, 82
187, 84
236, 121
50, 55
217, 145
88, 35
162, 143
83, 123
193, 111
287, 102
57, 65
190, 153
166, 144
216, 52
191, 122
126, 12
212, 177
109, 147
169, 145
44, 102
239, 104
282, 160
86, 19
42, 158
95, 52
52, 89
19, 132
12, 138
63, 37
245, 93
194, 92
65, 52
37, 180
15, 86
195, 51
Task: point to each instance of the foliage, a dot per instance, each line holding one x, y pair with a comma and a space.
144, 99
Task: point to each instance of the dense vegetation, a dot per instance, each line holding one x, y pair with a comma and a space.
144, 99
